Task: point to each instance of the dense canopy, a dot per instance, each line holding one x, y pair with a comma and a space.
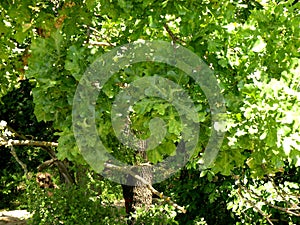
252, 50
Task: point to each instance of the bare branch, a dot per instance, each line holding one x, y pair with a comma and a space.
60, 164
46, 164
28, 143
100, 43
286, 210
23, 165
172, 35
267, 217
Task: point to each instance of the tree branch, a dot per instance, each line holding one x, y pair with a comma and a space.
28, 143
172, 35
23, 165
61, 165
97, 43
46, 164
109, 166
267, 217
286, 210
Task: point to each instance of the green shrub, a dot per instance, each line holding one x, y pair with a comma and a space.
10, 189
156, 215
69, 206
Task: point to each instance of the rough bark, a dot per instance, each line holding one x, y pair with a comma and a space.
142, 196
139, 195
147, 184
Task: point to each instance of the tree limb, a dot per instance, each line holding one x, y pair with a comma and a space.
286, 210
23, 165
267, 217
46, 164
107, 165
28, 143
61, 165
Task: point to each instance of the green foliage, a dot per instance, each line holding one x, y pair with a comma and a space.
274, 198
70, 205
239, 199
252, 46
11, 186
195, 190
93, 202
233, 38
247, 56
159, 214
16, 110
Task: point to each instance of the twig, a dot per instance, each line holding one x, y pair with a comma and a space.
280, 193
147, 184
172, 35
267, 217
95, 30
23, 165
97, 43
286, 210
100, 43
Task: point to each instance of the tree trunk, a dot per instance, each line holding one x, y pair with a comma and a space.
139, 195
142, 196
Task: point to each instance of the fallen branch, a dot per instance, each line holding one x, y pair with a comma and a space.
147, 184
